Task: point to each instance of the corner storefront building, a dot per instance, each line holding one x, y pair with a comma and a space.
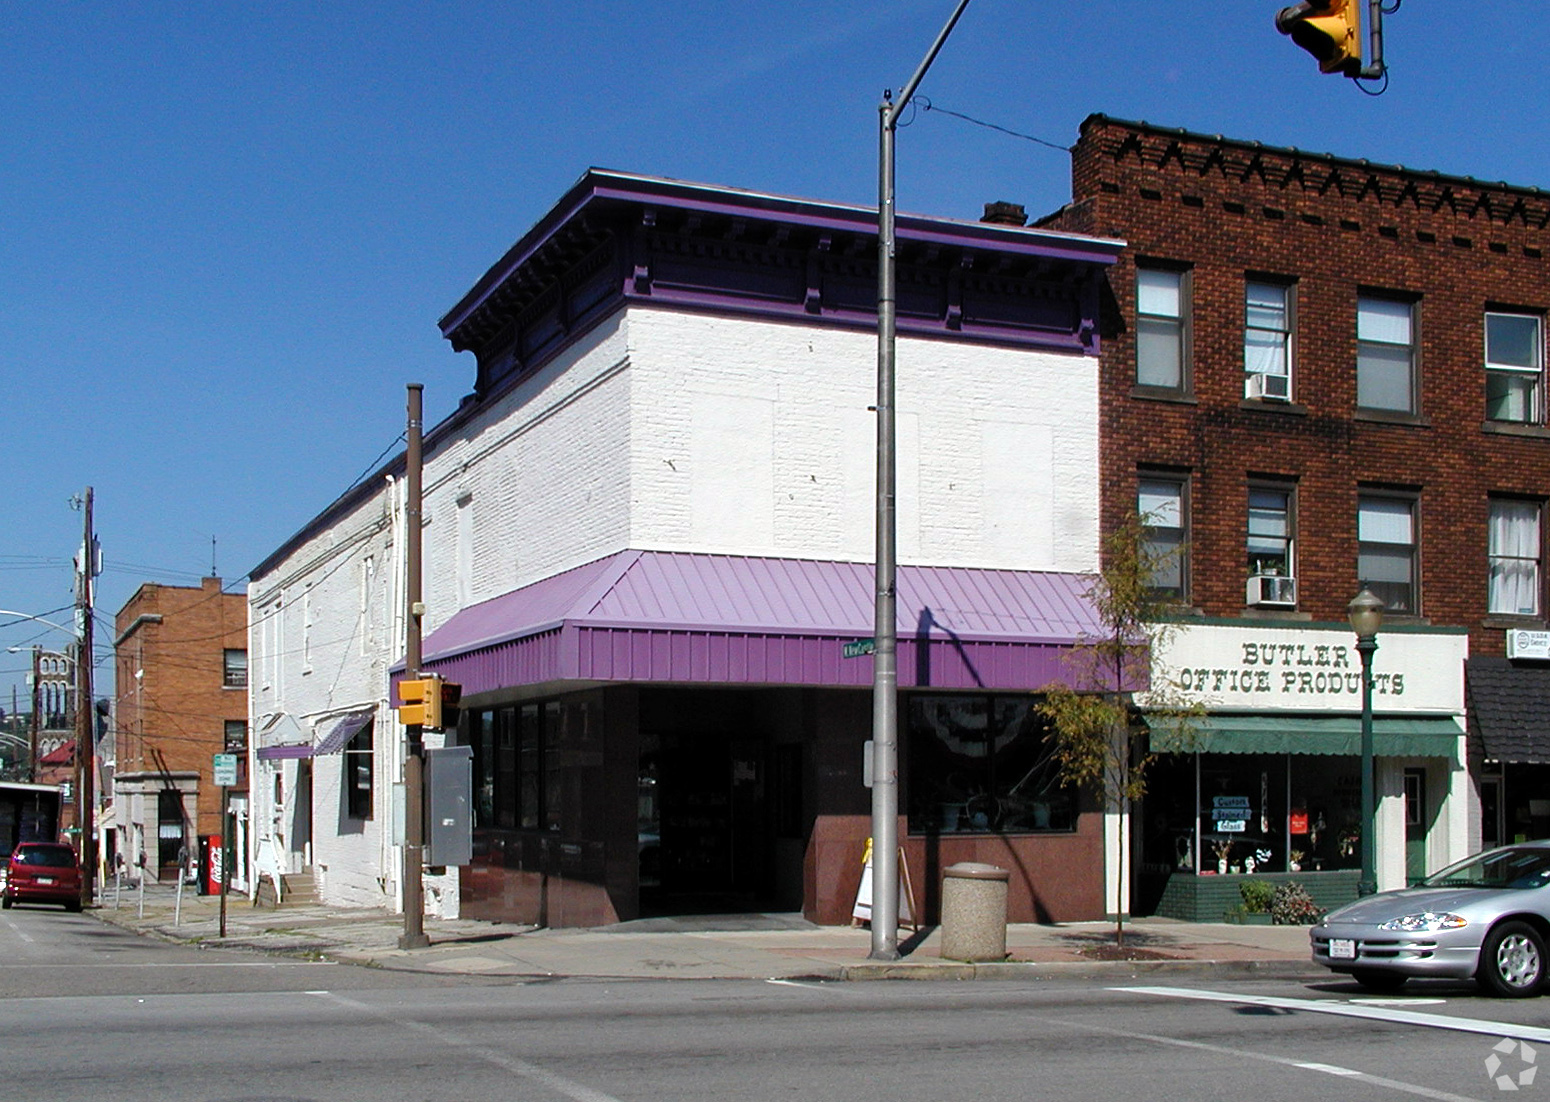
646, 533
1267, 782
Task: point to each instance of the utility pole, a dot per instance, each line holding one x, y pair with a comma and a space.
85, 714
885, 629
33, 728
413, 936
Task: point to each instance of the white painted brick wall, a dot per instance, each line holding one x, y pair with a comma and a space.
755, 438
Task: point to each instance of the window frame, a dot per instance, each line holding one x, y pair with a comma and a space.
1367, 347
1285, 334
1365, 548
1176, 548
1535, 414
1178, 321
360, 754
1495, 557
234, 674
1289, 491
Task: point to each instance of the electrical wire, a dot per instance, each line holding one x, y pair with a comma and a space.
927, 105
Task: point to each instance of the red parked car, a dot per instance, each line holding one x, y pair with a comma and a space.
43, 872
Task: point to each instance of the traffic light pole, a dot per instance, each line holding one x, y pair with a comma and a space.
413, 936
885, 660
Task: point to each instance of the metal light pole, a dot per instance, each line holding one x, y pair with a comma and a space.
1366, 615
885, 664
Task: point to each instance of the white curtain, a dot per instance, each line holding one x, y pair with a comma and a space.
1514, 551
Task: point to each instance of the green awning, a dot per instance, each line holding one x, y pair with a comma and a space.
1407, 737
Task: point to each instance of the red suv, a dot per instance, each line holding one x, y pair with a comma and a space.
43, 872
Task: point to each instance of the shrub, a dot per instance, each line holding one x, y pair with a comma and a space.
1257, 895
1291, 905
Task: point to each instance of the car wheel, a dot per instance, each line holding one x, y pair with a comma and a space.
1512, 961
1376, 980
5, 902
74, 906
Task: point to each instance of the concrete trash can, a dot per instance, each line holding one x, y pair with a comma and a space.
974, 912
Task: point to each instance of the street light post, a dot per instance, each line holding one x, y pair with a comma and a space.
885, 663
1366, 615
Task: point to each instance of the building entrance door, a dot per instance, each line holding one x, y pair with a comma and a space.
1415, 825
703, 825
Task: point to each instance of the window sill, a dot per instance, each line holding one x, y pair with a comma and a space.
1514, 428
1288, 409
1252, 613
1513, 623
1164, 394
1392, 417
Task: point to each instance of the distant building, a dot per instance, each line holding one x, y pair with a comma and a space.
180, 655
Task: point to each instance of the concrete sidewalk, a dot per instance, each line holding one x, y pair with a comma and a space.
712, 947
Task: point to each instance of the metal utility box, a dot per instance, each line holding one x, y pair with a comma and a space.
449, 805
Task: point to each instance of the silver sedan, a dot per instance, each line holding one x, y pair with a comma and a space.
1486, 917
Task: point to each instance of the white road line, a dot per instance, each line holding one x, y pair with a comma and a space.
1264, 1057
1349, 1010
826, 988
517, 1066
19, 932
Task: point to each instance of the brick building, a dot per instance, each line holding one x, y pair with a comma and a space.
180, 654
1319, 373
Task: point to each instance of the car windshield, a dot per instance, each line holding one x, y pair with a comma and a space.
1513, 867
53, 857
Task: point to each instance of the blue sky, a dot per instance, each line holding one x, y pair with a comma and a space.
227, 231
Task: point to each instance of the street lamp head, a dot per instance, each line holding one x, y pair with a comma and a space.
1365, 613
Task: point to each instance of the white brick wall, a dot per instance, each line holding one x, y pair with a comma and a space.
756, 438
665, 431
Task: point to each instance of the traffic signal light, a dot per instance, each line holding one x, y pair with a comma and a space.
416, 697
429, 703
450, 708
1330, 30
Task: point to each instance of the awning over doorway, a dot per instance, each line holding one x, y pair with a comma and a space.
1509, 710
1393, 736
677, 617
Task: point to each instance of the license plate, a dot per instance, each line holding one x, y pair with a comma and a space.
45, 880
1342, 948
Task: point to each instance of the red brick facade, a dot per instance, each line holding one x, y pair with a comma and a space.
176, 694
1329, 228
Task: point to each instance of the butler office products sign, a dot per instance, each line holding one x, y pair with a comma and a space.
1312, 668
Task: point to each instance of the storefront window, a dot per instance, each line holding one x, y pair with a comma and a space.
1327, 801
983, 764
1243, 813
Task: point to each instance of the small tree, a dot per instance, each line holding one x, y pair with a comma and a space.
1099, 735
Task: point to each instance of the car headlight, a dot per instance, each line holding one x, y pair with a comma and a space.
1426, 922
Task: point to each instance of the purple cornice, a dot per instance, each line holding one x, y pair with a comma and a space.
602, 190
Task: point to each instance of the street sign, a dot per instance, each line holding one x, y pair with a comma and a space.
225, 768
859, 648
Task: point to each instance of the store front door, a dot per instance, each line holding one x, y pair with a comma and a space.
705, 838
1415, 825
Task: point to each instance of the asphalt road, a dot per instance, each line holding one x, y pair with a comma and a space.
90, 1012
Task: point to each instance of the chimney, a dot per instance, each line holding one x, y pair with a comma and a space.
1005, 214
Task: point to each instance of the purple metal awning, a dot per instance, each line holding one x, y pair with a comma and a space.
653, 616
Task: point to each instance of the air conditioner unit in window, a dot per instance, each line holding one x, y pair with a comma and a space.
1269, 388
1273, 589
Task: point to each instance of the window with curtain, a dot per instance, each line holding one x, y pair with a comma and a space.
1513, 537
1161, 506
1514, 358
1267, 340
1161, 328
1386, 551
1385, 355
